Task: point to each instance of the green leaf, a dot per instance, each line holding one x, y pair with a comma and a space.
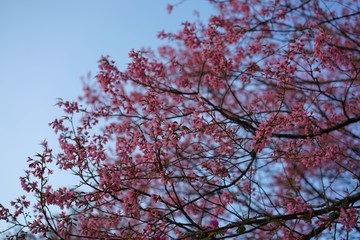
216, 232
334, 215
241, 229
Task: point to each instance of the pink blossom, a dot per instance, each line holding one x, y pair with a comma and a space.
169, 8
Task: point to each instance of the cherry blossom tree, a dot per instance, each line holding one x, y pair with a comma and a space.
243, 127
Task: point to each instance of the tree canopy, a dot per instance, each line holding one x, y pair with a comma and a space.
245, 126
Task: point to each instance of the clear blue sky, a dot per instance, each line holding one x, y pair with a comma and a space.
46, 46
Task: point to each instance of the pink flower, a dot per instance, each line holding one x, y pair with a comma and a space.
169, 8
214, 223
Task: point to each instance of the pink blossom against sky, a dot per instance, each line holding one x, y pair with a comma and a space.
46, 46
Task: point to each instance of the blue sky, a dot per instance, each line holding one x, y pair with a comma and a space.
46, 46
